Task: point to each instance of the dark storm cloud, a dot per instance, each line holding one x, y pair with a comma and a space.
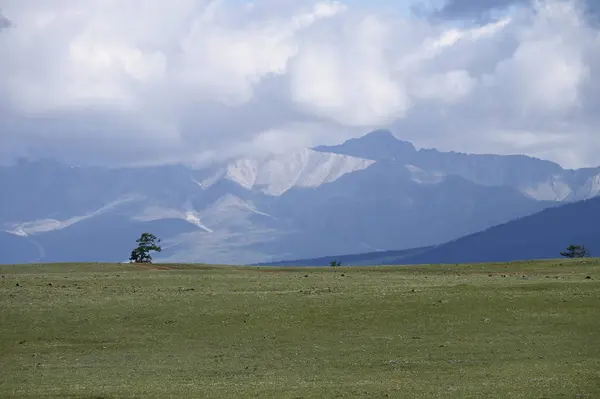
458, 9
481, 9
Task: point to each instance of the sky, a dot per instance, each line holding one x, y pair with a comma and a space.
131, 82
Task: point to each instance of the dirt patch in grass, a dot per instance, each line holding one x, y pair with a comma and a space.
152, 267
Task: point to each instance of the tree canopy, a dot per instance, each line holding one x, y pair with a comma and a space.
575, 251
146, 243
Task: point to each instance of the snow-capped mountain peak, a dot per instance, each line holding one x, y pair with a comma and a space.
305, 168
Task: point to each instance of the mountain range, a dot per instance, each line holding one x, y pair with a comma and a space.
370, 194
542, 235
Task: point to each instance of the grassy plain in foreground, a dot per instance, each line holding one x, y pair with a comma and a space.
519, 330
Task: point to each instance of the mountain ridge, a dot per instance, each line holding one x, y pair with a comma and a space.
368, 194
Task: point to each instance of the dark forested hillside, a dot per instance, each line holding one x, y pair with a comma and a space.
539, 236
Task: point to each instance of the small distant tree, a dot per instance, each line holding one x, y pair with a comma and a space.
146, 244
575, 251
334, 263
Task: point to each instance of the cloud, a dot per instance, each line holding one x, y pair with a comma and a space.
139, 81
485, 9
344, 75
4, 22
460, 9
543, 88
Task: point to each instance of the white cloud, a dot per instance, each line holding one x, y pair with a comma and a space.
342, 73
548, 67
447, 87
108, 81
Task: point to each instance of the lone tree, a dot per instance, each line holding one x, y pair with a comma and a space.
334, 263
575, 251
146, 243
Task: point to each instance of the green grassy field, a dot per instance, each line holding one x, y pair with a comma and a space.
521, 330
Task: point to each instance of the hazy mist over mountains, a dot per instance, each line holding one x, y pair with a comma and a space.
368, 194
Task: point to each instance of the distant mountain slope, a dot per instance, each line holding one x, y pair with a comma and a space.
382, 208
372, 193
539, 236
16, 249
106, 239
306, 169
536, 178
366, 259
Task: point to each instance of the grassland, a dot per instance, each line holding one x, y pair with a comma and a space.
521, 330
